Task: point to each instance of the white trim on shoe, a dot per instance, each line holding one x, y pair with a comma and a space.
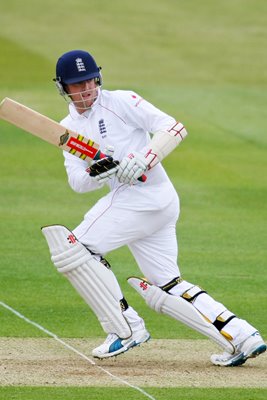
252, 347
113, 345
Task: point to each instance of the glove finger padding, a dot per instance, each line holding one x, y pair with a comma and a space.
104, 169
131, 168
102, 166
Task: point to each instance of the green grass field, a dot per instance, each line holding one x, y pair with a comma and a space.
204, 63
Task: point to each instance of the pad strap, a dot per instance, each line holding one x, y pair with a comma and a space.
191, 294
223, 319
171, 284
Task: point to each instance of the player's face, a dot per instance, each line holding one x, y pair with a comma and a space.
83, 94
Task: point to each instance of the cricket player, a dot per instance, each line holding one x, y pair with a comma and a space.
140, 211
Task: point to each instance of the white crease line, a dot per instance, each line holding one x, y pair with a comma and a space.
51, 334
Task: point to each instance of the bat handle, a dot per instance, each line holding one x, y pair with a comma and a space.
100, 155
142, 178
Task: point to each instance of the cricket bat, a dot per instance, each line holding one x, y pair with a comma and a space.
51, 131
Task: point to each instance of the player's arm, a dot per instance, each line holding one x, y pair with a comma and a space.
78, 178
161, 145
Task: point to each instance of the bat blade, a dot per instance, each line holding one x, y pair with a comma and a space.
50, 131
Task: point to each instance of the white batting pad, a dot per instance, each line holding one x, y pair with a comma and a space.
179, 309
93, 281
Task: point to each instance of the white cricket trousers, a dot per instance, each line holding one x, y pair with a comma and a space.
149, 234
151, 237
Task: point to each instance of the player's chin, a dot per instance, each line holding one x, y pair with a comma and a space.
84, 105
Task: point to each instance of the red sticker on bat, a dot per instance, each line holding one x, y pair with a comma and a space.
82, 147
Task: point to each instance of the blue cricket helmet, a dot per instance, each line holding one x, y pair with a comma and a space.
77, 66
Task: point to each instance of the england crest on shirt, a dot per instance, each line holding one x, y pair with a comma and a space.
102, 128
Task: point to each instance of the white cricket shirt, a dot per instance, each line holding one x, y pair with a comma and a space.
121, 119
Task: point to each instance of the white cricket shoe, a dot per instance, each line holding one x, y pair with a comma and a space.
252, 347
113, 345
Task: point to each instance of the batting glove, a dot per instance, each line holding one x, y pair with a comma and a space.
131, 168
103, 170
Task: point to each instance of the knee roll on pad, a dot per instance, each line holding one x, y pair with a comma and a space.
71, 259
92, 280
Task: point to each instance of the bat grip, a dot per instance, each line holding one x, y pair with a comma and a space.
101, 155
142, 178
